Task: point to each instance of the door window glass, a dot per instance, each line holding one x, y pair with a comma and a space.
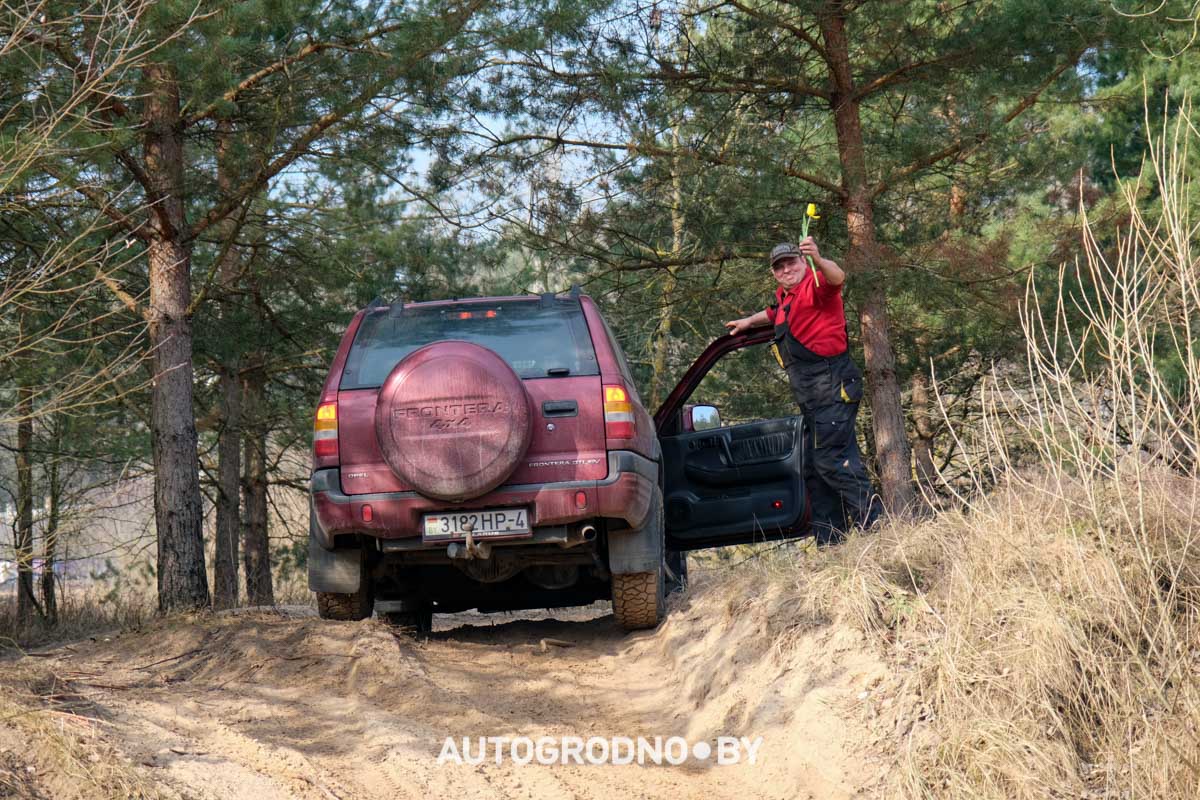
747, 385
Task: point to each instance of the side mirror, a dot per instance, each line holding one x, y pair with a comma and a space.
704, 417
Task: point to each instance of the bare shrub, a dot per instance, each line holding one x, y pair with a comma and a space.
1061, 652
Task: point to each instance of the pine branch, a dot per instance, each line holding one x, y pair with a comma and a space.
901, 74
645, 148
313, 48
978, 138
791, 28
326, 121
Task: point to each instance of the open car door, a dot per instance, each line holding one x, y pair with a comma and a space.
729, 484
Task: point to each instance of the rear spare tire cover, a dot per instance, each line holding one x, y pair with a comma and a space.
453, 420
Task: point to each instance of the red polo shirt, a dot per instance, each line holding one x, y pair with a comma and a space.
816, 316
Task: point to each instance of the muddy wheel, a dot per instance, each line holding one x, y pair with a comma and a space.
348, 607
417, 621
344, 606
637, 599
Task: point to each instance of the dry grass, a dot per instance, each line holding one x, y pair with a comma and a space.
1056, 654
72, 757
100, 606
82, 611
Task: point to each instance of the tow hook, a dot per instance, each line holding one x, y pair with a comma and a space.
469, 549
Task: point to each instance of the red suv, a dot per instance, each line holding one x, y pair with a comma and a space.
493, 453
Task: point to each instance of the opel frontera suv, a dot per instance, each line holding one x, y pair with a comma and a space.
493, 454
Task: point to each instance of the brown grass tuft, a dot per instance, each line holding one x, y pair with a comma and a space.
53, 742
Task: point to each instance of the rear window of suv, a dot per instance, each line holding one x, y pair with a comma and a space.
538, 340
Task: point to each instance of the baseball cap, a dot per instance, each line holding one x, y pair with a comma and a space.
781, 251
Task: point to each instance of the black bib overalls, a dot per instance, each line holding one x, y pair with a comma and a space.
828, 390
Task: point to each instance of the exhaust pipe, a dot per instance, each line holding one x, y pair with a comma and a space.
577, 536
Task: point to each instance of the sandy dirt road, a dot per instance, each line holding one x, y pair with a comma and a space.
279, 704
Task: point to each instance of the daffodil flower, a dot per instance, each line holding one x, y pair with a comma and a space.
810, 214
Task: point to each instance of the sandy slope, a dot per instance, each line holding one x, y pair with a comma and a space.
274, 704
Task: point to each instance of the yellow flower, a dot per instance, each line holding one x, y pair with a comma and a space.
810, 214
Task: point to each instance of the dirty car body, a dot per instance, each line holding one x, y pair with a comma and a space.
493, 453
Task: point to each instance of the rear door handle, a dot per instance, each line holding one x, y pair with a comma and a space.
560, 408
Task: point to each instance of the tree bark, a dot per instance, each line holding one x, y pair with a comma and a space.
50, 545
229, 468
865, 255
666, 320
23, 531
182, 582
927, 472
229, 436
256, 547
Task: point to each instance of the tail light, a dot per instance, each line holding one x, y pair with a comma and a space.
325, 441
618, 412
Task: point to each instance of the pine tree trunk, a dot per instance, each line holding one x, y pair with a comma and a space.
23, 531
927, 473
229, 468
865, 256
256, 547
182, 582
229, 435
50, 546
666, 320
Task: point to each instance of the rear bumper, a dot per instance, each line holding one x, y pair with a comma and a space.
624, 494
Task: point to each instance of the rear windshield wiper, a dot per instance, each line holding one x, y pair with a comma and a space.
558, 372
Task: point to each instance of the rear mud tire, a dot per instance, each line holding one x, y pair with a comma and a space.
349, 607
637, 599
345, 607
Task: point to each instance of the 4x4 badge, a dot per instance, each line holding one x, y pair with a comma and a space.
447, 425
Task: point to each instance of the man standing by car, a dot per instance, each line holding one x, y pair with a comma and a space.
812, 345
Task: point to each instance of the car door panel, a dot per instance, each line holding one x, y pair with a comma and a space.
733, 484
741, 448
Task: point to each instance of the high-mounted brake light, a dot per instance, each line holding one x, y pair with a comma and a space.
325, 431
618, 413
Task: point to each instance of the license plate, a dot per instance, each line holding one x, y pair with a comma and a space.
483, 523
